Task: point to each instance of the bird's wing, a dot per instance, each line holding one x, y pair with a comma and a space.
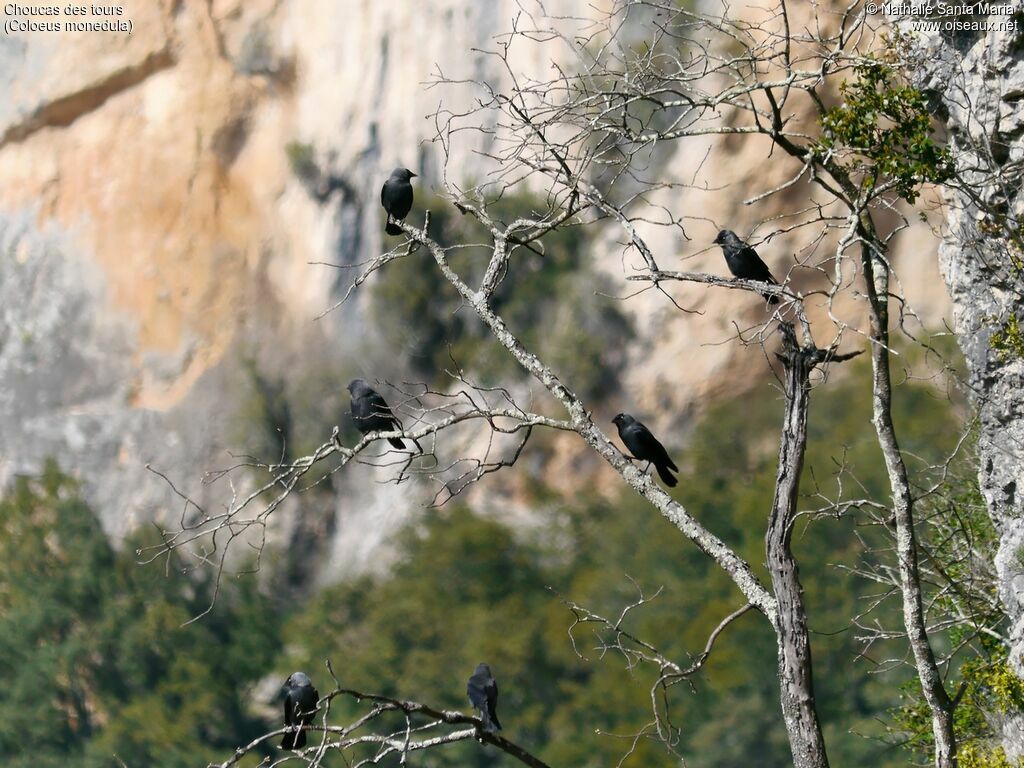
757, 266
651, 445
643, 434
492, 694
310, 710
288, 720
380, 407
473, 691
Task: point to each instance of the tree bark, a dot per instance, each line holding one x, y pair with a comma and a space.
784, 606
939, 702
794, 646
737, 568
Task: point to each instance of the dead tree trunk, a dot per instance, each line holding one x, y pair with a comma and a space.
876, 275
794, 645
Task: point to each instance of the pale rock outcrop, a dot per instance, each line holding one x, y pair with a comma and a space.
978, 82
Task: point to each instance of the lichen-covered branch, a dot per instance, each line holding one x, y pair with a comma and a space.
939, 701
423, 728
584, 426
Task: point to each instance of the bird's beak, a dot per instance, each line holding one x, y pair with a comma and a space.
413, 175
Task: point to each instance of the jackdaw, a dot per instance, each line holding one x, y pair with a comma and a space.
300, 698
482, 690
744, 262
396, 197
645, 446
371, 413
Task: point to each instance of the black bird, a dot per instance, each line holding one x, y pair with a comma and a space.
645, 446
744, 262
482, 690
396, 197
371, 413
300, 698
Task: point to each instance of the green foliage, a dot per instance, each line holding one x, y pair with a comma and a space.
973, 755
548, 301
50, 547
885, 123
265, 416
956, 528
284, 415
302, 161
993, 681
990, 689
1008, 340
94, 660
999, 224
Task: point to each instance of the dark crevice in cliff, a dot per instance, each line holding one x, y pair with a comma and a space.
65, 110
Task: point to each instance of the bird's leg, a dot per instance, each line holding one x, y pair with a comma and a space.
647, 466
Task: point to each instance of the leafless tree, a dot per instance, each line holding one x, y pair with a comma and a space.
627, 87
390, 728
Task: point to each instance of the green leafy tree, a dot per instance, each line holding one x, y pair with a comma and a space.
957, 535
53, 555
96, 664
884, 127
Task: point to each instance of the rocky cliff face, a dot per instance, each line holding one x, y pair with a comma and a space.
153, 232
979, 83
154, 236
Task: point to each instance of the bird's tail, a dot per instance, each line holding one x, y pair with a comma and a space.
665, 475
490, 722
392, 228
396, 442
294, 739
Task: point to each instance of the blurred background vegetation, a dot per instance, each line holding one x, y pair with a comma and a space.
98, 666
553, 302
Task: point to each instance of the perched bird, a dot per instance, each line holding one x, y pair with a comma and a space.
744, 262
482, 690
645, 446
371, 413
300, 698
396, 197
